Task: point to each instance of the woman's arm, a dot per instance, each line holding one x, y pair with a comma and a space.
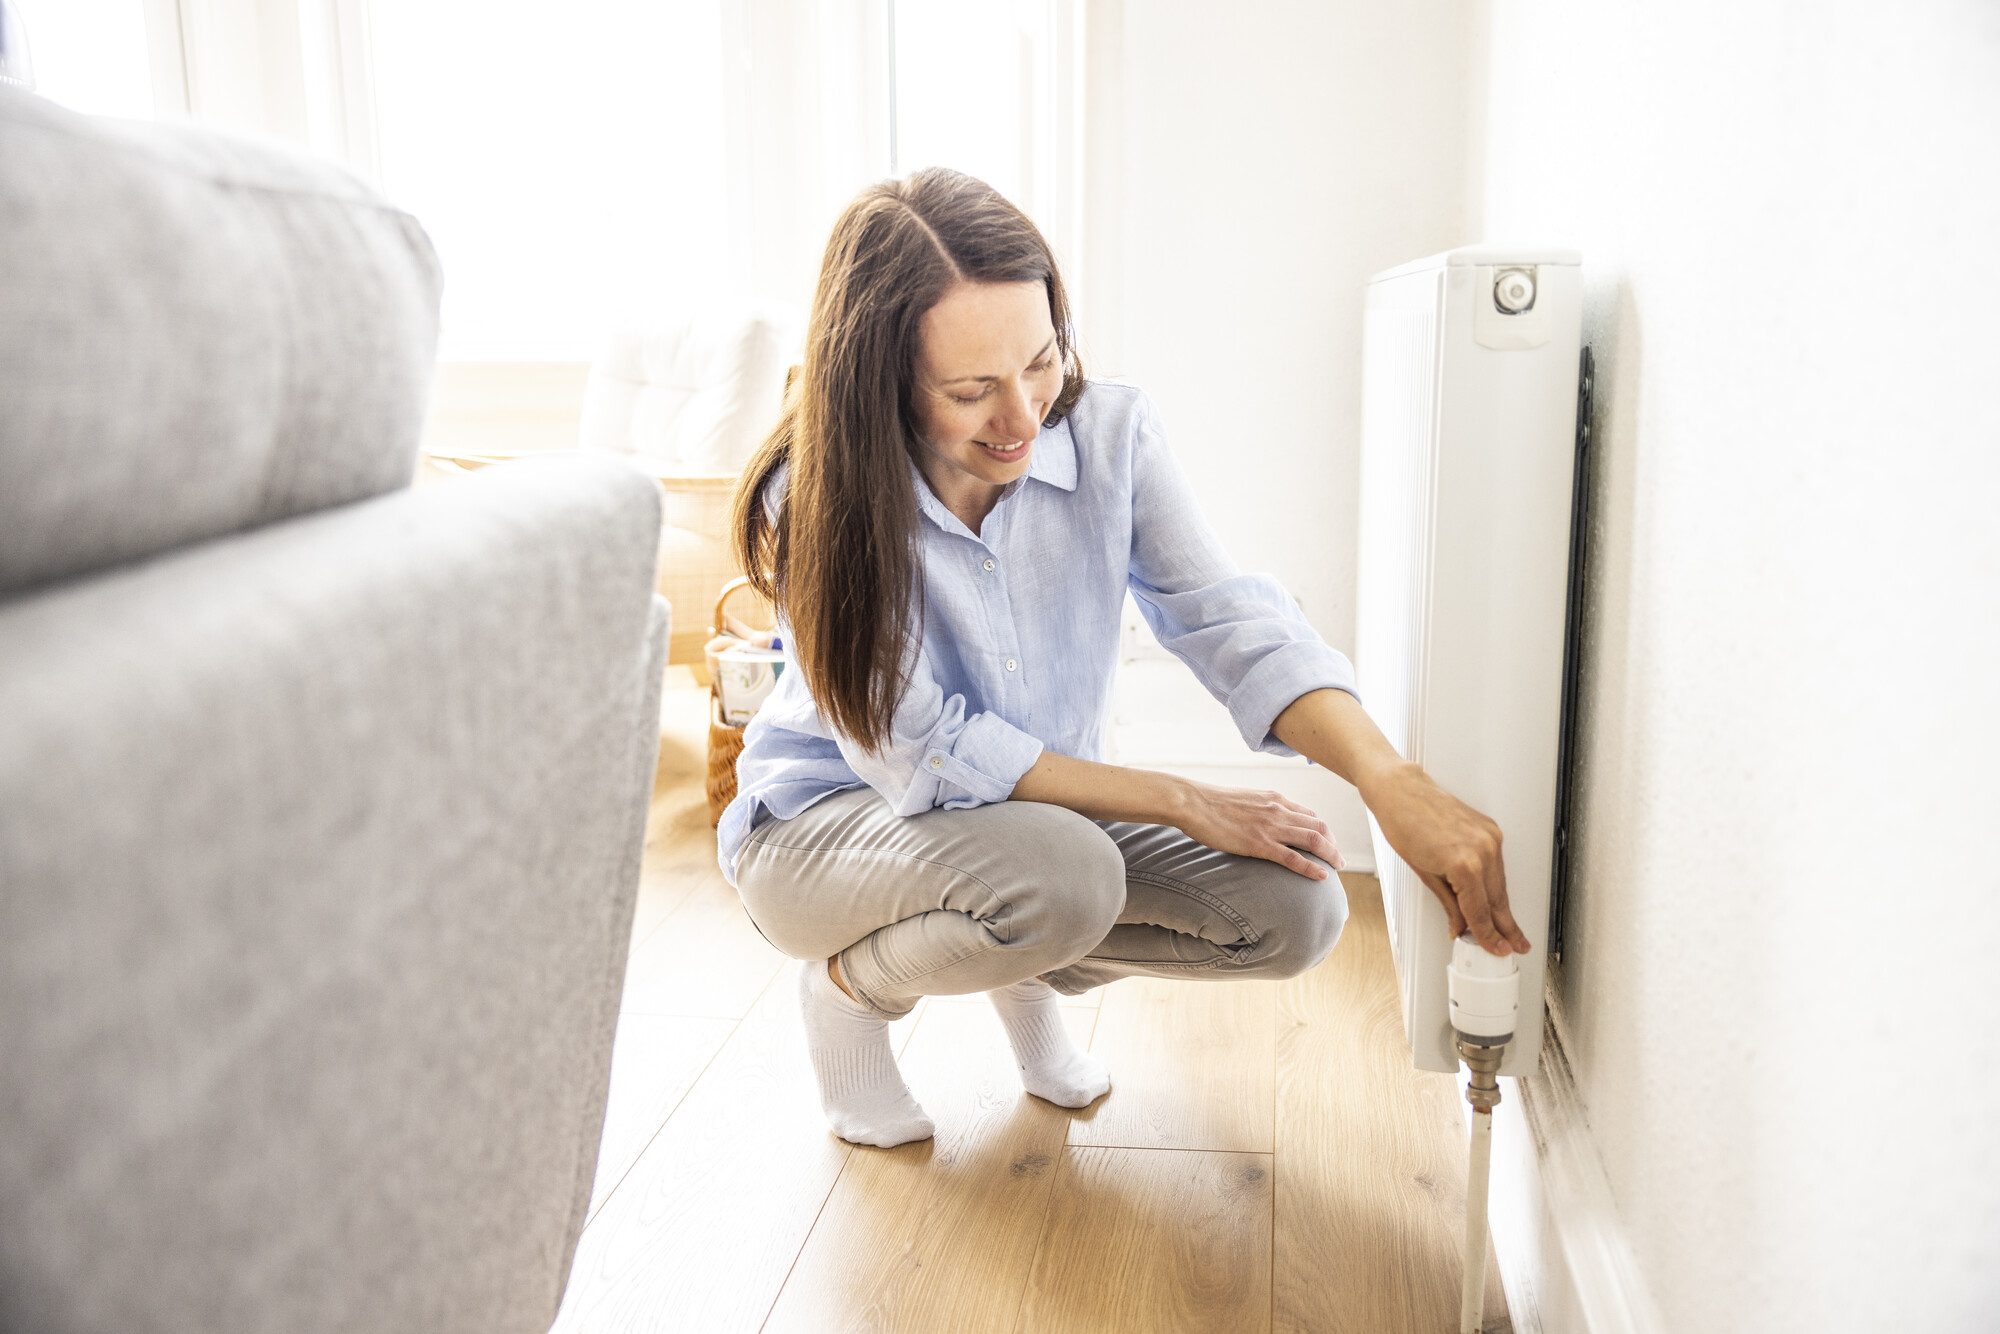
1453, 849
1228, 819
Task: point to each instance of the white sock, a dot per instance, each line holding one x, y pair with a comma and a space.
1051, 1066
860, 1089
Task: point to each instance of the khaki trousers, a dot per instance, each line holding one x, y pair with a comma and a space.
956, 901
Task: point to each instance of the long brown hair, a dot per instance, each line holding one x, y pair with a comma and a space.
841, 559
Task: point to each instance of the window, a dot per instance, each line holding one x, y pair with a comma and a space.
567, 161
988, 88
90, 55
605, 162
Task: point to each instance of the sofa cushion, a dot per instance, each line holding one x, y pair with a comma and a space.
199, 333
698, 394
318, 851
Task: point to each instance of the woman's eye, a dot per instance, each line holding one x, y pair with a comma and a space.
968, 402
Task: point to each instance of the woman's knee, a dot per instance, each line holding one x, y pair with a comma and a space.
1302, 926
1071, 885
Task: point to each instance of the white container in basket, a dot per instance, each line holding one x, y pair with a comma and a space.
745, 675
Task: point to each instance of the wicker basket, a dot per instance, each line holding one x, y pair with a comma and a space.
725, 743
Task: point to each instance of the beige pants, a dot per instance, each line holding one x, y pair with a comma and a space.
950, 902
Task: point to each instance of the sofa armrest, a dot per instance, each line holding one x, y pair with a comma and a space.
318, 848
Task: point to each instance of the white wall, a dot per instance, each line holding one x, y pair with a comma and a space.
1270, 157
1785, 940
1246, 170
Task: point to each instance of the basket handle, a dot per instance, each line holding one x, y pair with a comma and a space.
741, 581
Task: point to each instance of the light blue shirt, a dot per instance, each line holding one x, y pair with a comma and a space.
1021, 631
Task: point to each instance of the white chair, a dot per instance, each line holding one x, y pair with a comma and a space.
689, 401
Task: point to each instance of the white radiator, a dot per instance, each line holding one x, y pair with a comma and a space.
1467, 449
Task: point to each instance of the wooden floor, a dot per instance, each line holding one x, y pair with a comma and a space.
1266, 1159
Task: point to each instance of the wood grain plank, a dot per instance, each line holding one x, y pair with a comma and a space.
683, 724
1192, 1066
704, 959
675, 864
680, 843
679, 806
938, 1235
655, 1060
1151, 1241
1371, 1154
702, 1231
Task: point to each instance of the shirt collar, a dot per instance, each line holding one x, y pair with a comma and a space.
931, 507
1055, 457
1054, 462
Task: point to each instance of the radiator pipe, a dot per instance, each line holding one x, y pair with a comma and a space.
1485, 997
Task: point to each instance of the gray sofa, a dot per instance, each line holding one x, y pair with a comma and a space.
321, 799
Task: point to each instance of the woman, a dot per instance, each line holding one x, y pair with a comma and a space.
948, 519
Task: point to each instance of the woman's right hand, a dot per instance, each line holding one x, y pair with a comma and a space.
1228, 819
1455, 851
1258, 824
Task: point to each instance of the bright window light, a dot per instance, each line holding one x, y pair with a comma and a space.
90, 55
567, 160
968, 88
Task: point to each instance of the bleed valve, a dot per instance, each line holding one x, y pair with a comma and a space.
1514, 290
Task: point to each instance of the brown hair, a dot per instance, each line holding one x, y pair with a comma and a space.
841, 559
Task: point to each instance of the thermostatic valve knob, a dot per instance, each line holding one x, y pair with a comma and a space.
1484, 991
1514, 290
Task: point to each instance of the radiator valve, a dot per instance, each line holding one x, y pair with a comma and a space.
1485, 997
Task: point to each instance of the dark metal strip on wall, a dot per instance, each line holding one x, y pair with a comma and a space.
1579, 528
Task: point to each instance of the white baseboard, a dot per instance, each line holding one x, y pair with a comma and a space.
1565, 1260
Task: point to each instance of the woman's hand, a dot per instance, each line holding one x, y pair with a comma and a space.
1258, 824
1453, 849
1228, 819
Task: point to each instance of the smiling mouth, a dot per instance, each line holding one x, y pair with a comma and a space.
1006, 453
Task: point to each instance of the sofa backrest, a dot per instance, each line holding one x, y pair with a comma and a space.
199, 333
696, 394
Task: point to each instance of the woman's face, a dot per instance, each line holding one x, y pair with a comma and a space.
987, 370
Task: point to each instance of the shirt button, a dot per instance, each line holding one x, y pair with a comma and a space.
937, 761
1011, 664
989, 562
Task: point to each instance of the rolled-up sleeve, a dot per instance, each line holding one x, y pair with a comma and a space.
938, 755
1242, 635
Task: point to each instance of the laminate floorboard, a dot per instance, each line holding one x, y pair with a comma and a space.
1267, 1158
680, 842
938, 1235
704, 959
1370, 1205
655, 1060
701, 1232
1152, 1241
1191, 1066
677, 860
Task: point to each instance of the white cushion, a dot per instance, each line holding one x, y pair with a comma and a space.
699, 393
